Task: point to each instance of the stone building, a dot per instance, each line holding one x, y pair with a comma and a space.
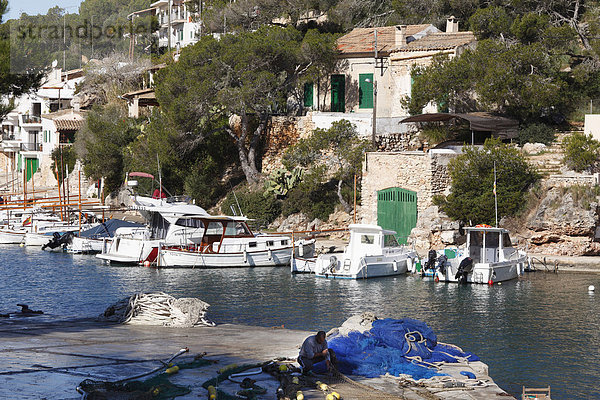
416, 177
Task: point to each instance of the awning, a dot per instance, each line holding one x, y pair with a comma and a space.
503, 127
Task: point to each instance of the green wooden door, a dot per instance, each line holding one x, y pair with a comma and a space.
338, 93
365, 91
31, 166
308, 94
397, 210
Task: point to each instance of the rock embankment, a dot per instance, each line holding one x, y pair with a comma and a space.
565, 222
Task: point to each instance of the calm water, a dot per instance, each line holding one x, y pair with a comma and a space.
541, 330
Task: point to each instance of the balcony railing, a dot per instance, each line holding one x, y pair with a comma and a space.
8, 136
31, 147
32, 119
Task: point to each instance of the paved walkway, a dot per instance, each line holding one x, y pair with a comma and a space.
47, 360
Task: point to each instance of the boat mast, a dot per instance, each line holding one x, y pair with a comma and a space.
495, 195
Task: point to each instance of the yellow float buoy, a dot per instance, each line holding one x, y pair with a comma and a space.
336, 395
212, 393
323, 387
227, 368
172, 370
329, 397
295, 380
299, 395
283, 368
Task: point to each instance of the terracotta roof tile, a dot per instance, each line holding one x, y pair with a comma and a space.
360, 40
68, 124
439, 41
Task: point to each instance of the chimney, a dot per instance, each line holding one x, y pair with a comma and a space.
451, 25
400, 38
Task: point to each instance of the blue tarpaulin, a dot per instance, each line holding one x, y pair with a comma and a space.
108, 228
391, 346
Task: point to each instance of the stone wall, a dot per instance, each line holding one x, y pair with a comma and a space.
282, 133
424, 173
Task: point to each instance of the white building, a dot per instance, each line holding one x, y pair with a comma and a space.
40, 121
178, 30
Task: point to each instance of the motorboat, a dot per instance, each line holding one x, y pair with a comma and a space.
97, 238
488, 257
169, 224
227, 241
371, 252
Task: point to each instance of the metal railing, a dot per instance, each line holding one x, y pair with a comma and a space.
31, 119
31, 147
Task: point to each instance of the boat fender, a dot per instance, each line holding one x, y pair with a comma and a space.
301, 249
245, 256
409, 264
270, 254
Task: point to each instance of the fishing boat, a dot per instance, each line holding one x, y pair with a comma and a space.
488, 257
371, 252
169, 224
227, 241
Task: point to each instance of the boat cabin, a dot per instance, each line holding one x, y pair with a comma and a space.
369, 240
488, 244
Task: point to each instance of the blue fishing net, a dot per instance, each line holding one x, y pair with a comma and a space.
386, 348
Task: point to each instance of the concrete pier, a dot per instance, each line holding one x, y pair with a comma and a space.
44, 359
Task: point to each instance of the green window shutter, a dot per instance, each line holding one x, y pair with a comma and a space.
308, 94
365, 91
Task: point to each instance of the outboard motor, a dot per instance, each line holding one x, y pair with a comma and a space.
442, 260
58, 240
431, 257
464, 268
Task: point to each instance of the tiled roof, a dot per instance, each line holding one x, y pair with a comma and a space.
439, 41
360, 40
68, 124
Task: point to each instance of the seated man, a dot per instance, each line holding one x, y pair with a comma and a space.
314, 350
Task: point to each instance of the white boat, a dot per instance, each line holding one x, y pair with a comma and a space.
169, 225
229, 242
488, 257
10, 234
371, 252
99, 237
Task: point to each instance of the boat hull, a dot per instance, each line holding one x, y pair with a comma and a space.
87, 246
368, 266
11, 237
486, 272
192, 259
131, 251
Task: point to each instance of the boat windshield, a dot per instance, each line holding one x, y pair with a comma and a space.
506, 240
492, 240
158, 226
236, 229
214, 228
475, 245
390, 241
190, 223
367, 239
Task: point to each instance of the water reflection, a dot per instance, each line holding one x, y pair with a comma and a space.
537, 331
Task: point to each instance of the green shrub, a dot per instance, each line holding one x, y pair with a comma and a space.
536, 133
581, 151
311, 197
472, 179
254, 205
